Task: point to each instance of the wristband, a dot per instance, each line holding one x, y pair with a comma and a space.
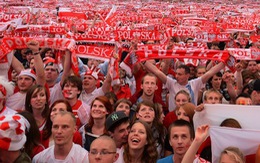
36, 53
143, 62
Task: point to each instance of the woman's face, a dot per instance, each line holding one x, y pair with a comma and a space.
98, 110
123, 107
137, 136
146, 113
181, 114
216, 82
59, 107
162, 116
38, 99
181, 99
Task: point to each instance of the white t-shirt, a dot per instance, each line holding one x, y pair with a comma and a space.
77, 154
174, 87
88, 98
120, 151
16, 101
55, 93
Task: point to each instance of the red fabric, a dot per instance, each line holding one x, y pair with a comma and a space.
37, 149
205, 144
77, 139
169, 118
75, 110
250, 158
124, 92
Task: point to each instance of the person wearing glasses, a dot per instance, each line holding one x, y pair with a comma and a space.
103, 149
63, 150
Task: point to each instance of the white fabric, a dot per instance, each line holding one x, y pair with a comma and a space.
7, 111
120, 152
16, 101
88, 98
5, 66
221, 137
77, 154
174, 87
214, 114
55, 93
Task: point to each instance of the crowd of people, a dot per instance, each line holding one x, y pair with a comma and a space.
49, 112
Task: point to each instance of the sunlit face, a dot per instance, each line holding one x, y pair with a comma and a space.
181, 99
137, 136
182, 77
149, 85
38, 100
123, 107
70, 91
180, 139
63, 129
98, 110
181, 114
213, 98
146, 113
59, 107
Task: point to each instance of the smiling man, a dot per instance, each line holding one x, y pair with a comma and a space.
118, 125
63, 150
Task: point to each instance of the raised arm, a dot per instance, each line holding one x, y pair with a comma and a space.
153, 69
17, 65
107, 83
66, 66
212, 72
39, 67
200, 137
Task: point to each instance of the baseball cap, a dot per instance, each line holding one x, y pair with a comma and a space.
114, 118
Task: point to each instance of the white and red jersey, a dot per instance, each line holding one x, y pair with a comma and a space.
7, 111
81, 112
5, 64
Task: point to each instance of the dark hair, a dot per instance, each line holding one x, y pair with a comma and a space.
29, 94
122, 100
33, 136
245, 95
182, 123
118, 123
44, 51
230, 122
150, 152
185, 67
74, 80
111, 95
218, 74
46, 132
